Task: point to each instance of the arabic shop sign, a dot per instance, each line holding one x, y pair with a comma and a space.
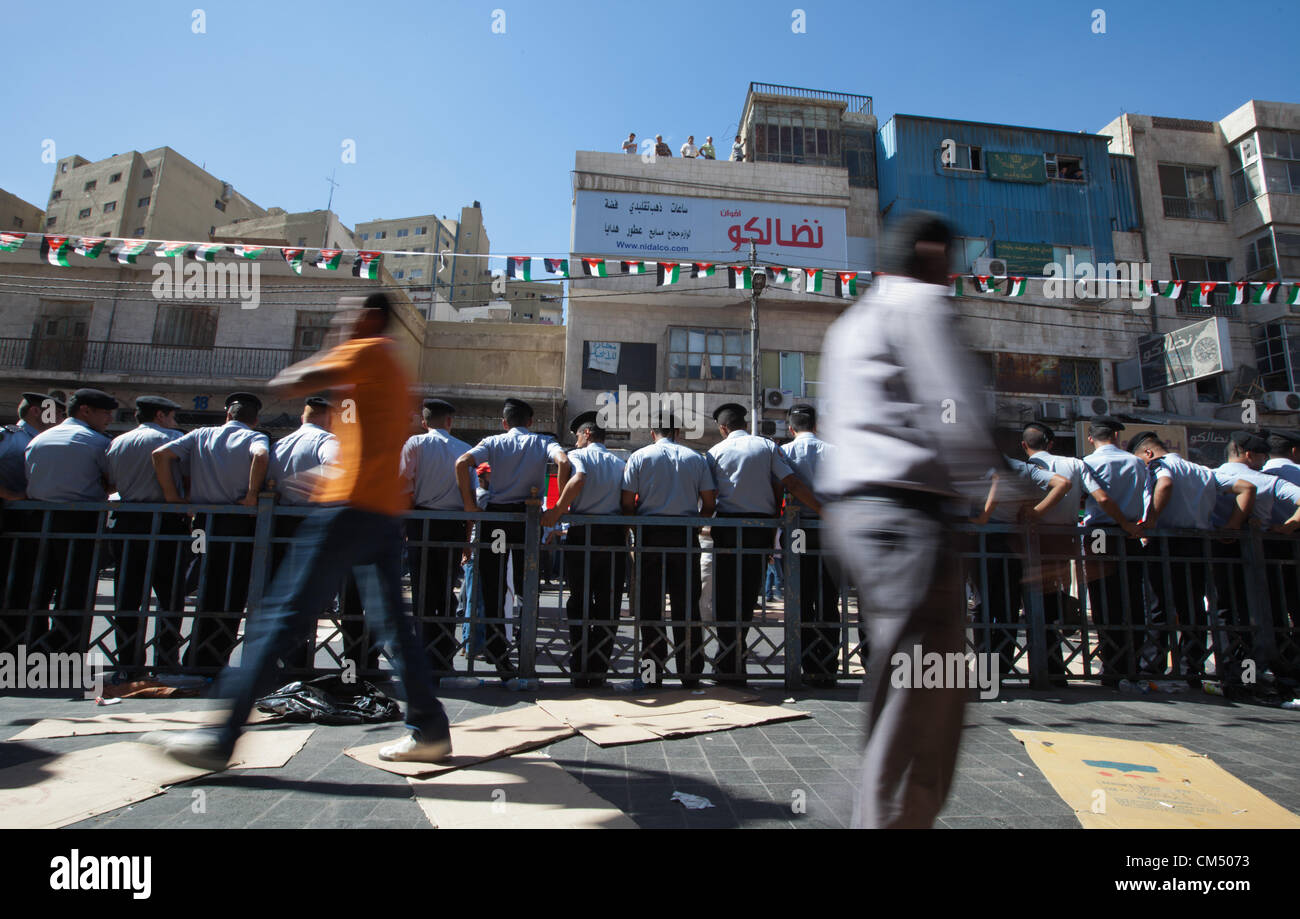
1016, 167
706, 229
1190, 353
1024, 258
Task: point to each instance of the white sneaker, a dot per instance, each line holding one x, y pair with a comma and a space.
413, 749
193, 748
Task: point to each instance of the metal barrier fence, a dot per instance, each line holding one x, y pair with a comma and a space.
163, 588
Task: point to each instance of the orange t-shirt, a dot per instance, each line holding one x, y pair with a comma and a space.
372, 429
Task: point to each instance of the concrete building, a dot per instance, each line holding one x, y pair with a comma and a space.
536, 301
158, 194
309, 229
462, 277
692, 338
16, 215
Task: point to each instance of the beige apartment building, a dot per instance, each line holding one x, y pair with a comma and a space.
158, 194
17, 216
461, 276
308, 229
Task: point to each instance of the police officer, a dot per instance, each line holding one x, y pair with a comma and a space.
1284, 450
666, 479
819, 591
747, 471
518, 458
130, 470
36, 413
1283, 581
227, 464
594, 580
1181, 495
434, 547
65, 463
1115, 575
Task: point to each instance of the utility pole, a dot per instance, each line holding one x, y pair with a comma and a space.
755, 362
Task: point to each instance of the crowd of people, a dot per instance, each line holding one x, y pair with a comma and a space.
688, 150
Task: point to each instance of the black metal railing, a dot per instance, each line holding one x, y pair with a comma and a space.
143, 358
854, 102
1193, 208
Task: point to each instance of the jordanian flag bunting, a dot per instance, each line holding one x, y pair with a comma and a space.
127, 252
168, 250
1263, 293
367, 265
739, 278
632, 267
1173, 290
1238, 293
812, 280
1015, 287
846, 283
702, 269
294, 258
328, 259
90, 246
956, 285
777, 275
11, 241
986, 284
1206, 288
206, 253
249, 252
558, 266
55, 249
519, 267
1293, 298
594, 268
666, 273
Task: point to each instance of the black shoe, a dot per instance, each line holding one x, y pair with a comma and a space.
690, 682
821, 682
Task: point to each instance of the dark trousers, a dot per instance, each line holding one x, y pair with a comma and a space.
1230, 614
1002, 599
819, 609
433, 579
595, 583
1117, 602
69, 578
223, 588
734, 602
492, 568
1056, 552
19, 622
329, 542
1284, 598
678, 575
903, 561
170, 561
1182, 596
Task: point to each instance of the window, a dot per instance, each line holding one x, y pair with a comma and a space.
1190, 192
49, 221
139, 231
1209, 389
401, 233
637, 367
1080, 254
143, 202
57, 194
90, 186
1193, 268
399, 255
1080, 377
1064, 168
417, 273
1281, 150
309, 332
381, 234
796, 371
110, 207
967, 157
965, 249
1245, 170
421, 231
219, 204
708, 360
115, 177
399, 274
1259, 255
302, 240
18, 223
1044, 374
83, 213
419, 249
185, 326
1277, 356
147, 174
63, 167
365, 236
1288, 253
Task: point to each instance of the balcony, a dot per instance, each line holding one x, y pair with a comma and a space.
1187, 305
1193, 208
855, 104
143, 359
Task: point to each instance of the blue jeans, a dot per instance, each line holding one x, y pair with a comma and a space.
774, 579
329, 542
470, 588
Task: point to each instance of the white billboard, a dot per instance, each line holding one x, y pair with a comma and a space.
680, 228
1192, 352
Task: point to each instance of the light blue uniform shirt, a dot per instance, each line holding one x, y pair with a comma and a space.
67, 462
13, 456
1082, 482
1124, 478
1008, 511
602, 472
1196, 489
217, 460
804, 455
130, 463
744, 468
518, 460
668, 479
1286, 498
1283, 468
1275, 498
306, 449
429, 466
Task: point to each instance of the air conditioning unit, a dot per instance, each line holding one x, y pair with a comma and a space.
1282, 401
1052, 411
778, 398
1087, 406
990, 268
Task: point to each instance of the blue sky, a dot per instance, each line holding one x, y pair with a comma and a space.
444, 111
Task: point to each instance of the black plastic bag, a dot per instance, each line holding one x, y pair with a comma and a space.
329, 700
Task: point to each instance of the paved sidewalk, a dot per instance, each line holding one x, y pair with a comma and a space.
754, 776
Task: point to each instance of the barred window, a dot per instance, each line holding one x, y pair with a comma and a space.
708, 360
1080, 377
187, 326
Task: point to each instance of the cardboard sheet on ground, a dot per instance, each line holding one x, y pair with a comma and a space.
476, 740
1126, 784
610, 721
523, 792
127, 723
55, 791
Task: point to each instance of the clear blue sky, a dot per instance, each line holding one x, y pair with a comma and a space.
445, 112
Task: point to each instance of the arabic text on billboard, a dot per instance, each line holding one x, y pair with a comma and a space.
1183, 355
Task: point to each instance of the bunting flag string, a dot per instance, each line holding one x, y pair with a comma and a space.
294, 258
558, 266
367, 265
633, 267
519, 267
206, 253
55, 250
666, 273
11, 241
89, 246
329, 259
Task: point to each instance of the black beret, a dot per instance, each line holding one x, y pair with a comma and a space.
1287, 437
244, 398
156, 402
1256, 444
733, 406
1106, 423
517, 405
95, 398
439, 407
591, 418
38, 398
1139, 437
318, 402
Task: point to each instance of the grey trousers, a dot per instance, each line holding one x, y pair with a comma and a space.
904, 563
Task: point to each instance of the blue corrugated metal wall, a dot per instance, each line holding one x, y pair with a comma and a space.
1058, 213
